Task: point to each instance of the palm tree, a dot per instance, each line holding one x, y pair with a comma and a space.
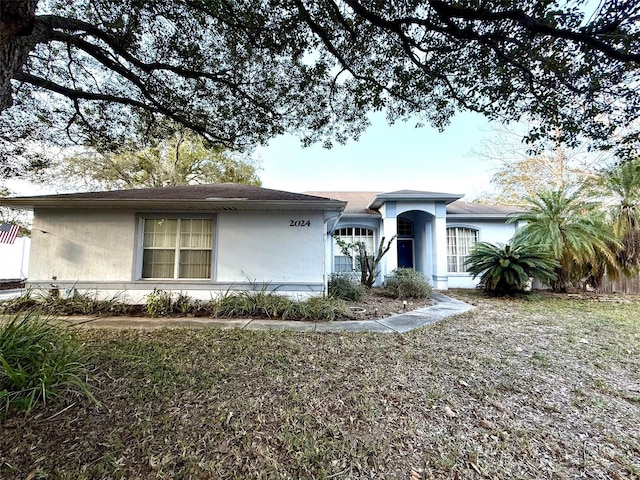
573, 230
508, 268
621, 185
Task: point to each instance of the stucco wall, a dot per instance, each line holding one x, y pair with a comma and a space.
264, 247
489, 231
96, 252
87, 246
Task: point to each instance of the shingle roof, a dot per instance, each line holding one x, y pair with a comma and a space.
189, 192
460, 207
220, 195
357, 202
233, 195
421, 193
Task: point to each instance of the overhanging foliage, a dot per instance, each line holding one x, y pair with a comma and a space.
243, 72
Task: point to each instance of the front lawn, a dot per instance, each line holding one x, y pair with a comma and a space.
545, 387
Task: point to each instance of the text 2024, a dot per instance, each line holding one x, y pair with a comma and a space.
299, 223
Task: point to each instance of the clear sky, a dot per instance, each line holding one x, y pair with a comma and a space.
385, 158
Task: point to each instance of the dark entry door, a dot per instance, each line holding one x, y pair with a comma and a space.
405, 253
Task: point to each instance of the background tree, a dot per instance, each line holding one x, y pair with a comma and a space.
619, 189
242, 72
19, 217
574, 231
523, 173
181, 159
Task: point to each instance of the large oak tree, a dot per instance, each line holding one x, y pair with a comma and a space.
180, 159
239, 72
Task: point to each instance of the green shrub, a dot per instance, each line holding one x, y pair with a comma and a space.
407, 283
39, 360
158, 303
507, 268
345, 288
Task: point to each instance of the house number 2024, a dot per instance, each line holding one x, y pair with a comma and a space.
299, 223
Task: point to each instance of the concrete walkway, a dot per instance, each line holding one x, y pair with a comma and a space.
444, 307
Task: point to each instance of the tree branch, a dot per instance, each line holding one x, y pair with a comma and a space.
534, 26
82, 95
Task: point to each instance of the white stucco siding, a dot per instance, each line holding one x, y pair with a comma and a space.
492, 231
94, 245
270, 247
496, 232
404, 206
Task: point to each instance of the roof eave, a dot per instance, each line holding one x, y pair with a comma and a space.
362, 215
480, 216
30, 203
378, 200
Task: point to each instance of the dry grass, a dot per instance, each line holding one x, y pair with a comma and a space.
542, 388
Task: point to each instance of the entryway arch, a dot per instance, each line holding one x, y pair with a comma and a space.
415, 241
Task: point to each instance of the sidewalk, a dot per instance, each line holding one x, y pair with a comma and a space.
444, 307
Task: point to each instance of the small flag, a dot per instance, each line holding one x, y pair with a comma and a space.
8, 232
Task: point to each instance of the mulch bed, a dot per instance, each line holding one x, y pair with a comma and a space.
376, 305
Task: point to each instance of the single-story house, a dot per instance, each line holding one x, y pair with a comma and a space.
206, 239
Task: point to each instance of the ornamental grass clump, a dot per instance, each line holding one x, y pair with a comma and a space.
272, 305
75, 303
23, 303
39, 361
325, 309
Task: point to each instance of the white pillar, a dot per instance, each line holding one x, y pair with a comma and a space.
390, 260
440, 275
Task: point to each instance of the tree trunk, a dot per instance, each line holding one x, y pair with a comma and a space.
17, 22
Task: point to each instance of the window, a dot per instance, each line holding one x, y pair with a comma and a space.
176, 248
343, 263
459, 243
405, 228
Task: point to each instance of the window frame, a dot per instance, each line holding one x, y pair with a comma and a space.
140, 249
402, 226
460, 257
336, 252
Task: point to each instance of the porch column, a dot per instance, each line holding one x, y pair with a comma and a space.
440, 278
390, 260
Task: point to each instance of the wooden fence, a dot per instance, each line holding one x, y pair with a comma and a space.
622, 285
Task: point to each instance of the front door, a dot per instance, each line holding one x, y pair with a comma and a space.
405, 253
